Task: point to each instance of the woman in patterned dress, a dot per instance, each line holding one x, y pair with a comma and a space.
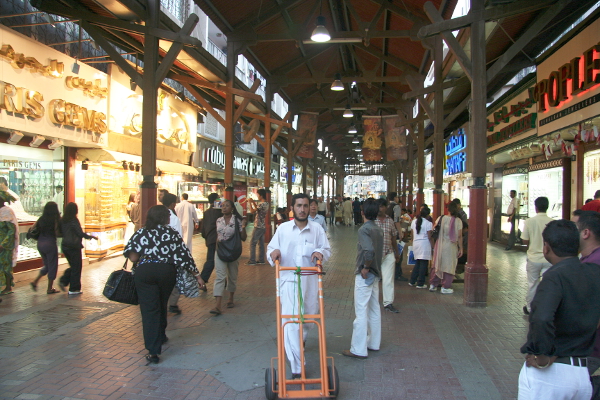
9, 242
159, 251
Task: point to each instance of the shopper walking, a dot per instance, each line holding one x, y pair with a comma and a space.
9, 242
258, 234
49, 228
209, 233
227, 271
448, 248
314, 216
136, 213
356, 211
130, 227
71, 247
322, 208
421, 246
159, 251
366, 329
347, 211
390, 255
513, 217
532, 237
563, 321
188, 218
332, 211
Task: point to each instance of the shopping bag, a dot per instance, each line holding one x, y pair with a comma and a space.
411, 256
401, 246
120, 287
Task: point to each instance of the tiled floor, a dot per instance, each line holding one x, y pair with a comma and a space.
55, 347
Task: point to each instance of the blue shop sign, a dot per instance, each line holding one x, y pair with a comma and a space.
456, 157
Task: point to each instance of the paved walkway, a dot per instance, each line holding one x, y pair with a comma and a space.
56, 347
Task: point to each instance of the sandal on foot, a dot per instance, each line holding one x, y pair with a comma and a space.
152, 359
52, 291
5, 293
215, 311
230, 304
33, 287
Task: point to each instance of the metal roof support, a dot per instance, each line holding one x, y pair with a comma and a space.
476, 272
149, 111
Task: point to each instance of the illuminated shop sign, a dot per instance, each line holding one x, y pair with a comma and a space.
20, 61
455, 155
573, 78
504, 115
244, 165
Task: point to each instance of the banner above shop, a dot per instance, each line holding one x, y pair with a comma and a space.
212, 157
39, 95
514, 119
176, 120
567, 82
307, 129
372, 139
395, 138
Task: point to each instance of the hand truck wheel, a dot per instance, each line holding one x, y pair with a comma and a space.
334, 381
270, 383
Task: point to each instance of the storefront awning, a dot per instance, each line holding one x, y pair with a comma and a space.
100, 155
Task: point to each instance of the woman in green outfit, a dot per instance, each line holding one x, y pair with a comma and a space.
9, 242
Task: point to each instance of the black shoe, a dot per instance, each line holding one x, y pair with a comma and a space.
508, 248
402, 279
296, 376
165, 340
152, 359
175, 310
391, 308
525, 310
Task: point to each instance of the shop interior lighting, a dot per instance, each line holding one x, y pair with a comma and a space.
132, 85
348, 112
15, 137
131, 166
355, 140
337, 84
352, 128
137, 167
125, 166
75, 68
56, 143
180, 95
39, 139
159, 172
357, 149
84, 165
320, 33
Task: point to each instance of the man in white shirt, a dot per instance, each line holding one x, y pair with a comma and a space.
315, 216
169, 200
299, 242
532, 237
189, 219
513, 217
59, 198
322, 207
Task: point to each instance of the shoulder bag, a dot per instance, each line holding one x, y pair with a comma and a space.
120, 287
33, 232
436, 231
231, 249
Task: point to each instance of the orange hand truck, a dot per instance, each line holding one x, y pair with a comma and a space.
328, 384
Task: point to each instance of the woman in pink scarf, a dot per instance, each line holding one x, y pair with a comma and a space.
9, 242
448, 248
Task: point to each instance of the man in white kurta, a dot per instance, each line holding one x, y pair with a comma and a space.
189, 219
298, 242
169, 200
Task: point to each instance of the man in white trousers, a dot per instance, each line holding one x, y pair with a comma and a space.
366, 329
189, 219
562, 322
298, 242
391, 255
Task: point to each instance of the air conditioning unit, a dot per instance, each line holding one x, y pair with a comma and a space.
56, 143
39, 139
15, 137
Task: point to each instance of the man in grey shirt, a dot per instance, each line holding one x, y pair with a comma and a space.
366, 330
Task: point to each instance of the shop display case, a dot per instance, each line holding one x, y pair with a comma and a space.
547, 183
198, 194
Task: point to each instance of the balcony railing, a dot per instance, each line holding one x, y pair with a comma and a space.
216, 52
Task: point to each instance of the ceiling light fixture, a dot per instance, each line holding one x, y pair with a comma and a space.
348, 112
355, 140
320, 33
337, 84
352, 128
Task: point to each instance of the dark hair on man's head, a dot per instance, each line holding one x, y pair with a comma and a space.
424, 214
3, 180
371, 209
424, 205
212, 197
457, 201
70, 212
577, 212
163, 191
392, 196
262, 193
453, 209
514, 191
588, 200
168, 199
184, 196
563, 237
298, 196
382, 202
597, 194
313, 201
157, 215
58, 187
405, 210
589, 220
541, 204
